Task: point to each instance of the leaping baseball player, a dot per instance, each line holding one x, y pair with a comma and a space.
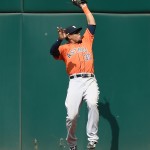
78, 57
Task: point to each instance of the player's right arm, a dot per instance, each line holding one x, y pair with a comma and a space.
54, 49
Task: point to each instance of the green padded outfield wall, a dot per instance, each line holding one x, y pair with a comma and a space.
10, 81
10, 6
122, 63
95, 5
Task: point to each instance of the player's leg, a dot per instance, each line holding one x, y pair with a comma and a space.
72, 103
92, 96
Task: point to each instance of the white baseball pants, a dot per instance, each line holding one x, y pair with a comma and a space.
82, 89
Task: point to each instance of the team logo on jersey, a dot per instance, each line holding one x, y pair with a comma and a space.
72, 52
76, 50
81, 49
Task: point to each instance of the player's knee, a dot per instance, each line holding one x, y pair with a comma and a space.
92, 104
72, 116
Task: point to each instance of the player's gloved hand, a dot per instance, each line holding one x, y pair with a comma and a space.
61, 33
79, 2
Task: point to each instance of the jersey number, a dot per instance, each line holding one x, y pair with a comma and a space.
87, 57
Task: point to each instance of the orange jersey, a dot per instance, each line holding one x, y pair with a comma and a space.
78, 57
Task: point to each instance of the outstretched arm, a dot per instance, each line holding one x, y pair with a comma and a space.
89, 15
83, 4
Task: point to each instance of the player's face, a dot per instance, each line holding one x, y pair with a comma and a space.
75, 38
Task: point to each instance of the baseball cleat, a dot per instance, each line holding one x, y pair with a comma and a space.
73, 148
91, 145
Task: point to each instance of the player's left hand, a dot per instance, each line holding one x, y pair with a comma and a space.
79, 2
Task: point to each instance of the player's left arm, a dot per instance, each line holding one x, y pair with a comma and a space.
90, 18
92, 29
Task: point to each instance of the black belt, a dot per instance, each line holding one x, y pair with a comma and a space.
82, 75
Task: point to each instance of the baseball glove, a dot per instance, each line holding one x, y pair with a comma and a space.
78, 2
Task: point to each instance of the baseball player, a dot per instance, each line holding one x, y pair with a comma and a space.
78, 57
